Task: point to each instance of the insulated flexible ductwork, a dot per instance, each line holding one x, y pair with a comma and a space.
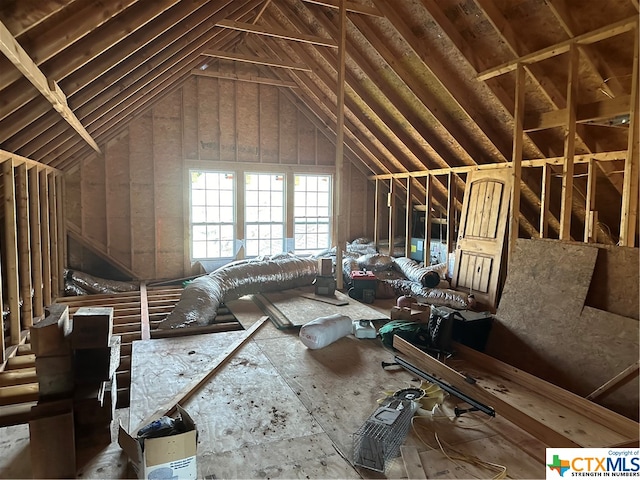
416, 272
91, 284
433, 296
201, 298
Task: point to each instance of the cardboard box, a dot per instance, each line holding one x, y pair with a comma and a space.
169, 457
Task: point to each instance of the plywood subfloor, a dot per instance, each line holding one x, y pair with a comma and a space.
280, 410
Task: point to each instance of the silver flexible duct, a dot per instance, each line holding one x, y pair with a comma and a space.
201, 298
416, 272
96, 285
434, 296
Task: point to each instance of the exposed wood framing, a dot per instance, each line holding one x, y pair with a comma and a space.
276, 33
48, 88
62, 234
36, 241
408, 218
24, 245
591, 216
242, 78
340, 206
629, 214
56, 271
256, 60
428, 227
376, 213
545, 199
11, 253
451, 213
603, 33
391, 204
601, 157
351, 7
589, 112
3, 357
518, 117
46, 237
144, 312
569, 145
607, 387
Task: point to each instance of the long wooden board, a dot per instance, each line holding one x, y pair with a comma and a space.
553, 415
184, 394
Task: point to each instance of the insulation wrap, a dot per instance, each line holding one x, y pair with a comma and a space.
91, 284
418, 273
201, 298
375, 262
433, 296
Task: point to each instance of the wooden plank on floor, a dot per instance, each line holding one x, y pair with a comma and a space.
181, 332
412, 463
498, 451
555, 424
192, 388
144, 312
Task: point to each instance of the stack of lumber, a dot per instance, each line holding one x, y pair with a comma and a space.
75, 366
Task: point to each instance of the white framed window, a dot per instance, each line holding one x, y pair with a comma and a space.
264, 214
312, 213
212, 202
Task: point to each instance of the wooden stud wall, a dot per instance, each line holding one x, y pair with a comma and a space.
32, 251
592, 230
130, 204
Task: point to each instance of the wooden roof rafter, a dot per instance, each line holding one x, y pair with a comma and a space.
108, 102
77, 55
322, 73
537, 75
451, 86
271, 62
46, 41
610, 85
48, 88
277, 33
372, 149
594, 36
96, 80
165, 78
199, 72
377, 104
351, 7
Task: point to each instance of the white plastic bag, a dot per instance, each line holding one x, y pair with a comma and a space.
323, 331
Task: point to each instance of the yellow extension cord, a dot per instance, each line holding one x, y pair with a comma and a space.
501, 469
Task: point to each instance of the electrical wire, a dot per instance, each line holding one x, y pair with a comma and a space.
459, 456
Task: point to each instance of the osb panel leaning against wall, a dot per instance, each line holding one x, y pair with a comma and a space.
130, 204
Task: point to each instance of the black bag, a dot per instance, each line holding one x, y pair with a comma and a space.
440, 329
